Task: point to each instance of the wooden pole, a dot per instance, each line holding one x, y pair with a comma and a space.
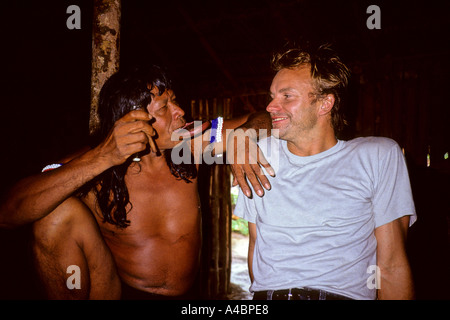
105, 50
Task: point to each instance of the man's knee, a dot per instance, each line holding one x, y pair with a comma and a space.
69, 237
58, 223
55, 250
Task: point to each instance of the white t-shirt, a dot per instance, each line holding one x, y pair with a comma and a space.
315, 227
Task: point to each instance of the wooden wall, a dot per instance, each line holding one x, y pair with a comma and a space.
404, 99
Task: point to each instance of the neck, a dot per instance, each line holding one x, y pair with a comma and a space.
149, 162
311, 144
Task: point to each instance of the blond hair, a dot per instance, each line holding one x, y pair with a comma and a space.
329, 75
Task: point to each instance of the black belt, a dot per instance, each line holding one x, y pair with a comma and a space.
298, 294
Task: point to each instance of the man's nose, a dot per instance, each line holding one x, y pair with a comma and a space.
273, 106
178, 113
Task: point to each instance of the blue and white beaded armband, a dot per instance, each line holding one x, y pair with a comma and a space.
216, 130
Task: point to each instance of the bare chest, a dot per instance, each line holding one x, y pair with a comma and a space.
160, 207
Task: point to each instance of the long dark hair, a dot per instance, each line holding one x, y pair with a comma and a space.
119, 95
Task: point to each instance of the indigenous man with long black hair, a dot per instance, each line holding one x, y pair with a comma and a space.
131, 227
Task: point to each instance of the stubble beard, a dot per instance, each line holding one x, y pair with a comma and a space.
300, 127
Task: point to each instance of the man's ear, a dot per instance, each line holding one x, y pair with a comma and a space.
327, 104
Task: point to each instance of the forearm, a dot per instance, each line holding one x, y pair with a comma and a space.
250, 263
34, 197
395, 273
251, 249
396, 283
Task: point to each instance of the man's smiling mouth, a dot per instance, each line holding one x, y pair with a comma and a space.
278, 119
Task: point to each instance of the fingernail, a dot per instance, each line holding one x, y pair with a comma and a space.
267, 186
260, 193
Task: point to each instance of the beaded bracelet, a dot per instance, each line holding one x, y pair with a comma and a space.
216, 130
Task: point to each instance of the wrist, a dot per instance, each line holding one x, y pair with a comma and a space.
249, 132
95, 161
259, 125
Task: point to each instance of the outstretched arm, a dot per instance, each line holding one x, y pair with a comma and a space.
36, 196
238, 138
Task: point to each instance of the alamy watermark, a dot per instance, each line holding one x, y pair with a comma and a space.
374, 279
74, 20
74, 280
243, 149
374, 20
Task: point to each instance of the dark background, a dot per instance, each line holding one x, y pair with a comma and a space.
223, 49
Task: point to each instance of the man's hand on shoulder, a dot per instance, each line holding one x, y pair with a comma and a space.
247, 160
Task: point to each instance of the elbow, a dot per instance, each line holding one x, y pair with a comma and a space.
5, 223
9, 213
4, 215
